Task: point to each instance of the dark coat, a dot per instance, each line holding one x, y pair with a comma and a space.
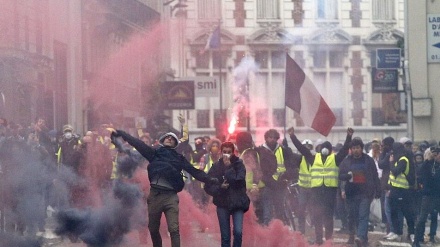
430, 178
372, 186
164, 162
234, 197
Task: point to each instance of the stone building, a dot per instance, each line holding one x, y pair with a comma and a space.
334, 41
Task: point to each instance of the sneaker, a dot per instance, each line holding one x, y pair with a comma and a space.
411, 238
432, 239
388, 235
357, 242
393, 236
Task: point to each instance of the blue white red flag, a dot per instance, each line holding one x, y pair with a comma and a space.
303, 97
213, 41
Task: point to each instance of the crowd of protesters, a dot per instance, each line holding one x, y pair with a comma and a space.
335, 181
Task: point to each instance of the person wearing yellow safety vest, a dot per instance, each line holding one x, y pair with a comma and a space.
274, 189
68, 156
324, 182
254, 175
304, 183
197, 158
213, 155
68, 153
400, 193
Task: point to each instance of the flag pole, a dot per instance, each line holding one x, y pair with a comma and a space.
285, 105
221, 118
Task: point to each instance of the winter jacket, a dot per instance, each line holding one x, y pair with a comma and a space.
234, 197
371, 186
165, 163
430, 178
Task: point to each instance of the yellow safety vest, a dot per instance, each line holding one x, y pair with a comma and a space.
305, 176
400, 181
60, 153
324, 174
208, 164
195, 164
281, 168
250, 174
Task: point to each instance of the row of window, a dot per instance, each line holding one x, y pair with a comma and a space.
270, 9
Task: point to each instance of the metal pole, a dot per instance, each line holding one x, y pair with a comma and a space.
248, 125
220, 83
410, 128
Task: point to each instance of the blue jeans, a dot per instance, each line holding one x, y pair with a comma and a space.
224, 219
358, 215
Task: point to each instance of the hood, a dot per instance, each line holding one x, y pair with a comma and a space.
162, 138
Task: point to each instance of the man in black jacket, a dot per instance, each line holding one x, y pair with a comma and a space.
361, 184
165, 175
430, 180
274, 190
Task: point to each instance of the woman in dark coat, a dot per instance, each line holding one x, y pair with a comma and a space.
230, 194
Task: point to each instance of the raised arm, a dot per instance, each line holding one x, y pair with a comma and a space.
301, 148
140, 146
340, 156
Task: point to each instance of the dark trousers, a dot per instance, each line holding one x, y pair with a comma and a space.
341, 209
324, 200
434, 223
401, 200
167, 202
272, 204
304, 201
224, 219
429, 204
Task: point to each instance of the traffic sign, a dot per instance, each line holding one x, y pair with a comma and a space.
433, 33
388, 58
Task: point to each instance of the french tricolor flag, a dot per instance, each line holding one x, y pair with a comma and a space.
303, 97
213, 41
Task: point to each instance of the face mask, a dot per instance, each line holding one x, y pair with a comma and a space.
324, 151
199, 145
68, 135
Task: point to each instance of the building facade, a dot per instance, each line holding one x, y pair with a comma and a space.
334, 41
55, 56
424, 67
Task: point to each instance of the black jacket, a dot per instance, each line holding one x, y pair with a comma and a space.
165, 163
430, 178
234, 197
372, 186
